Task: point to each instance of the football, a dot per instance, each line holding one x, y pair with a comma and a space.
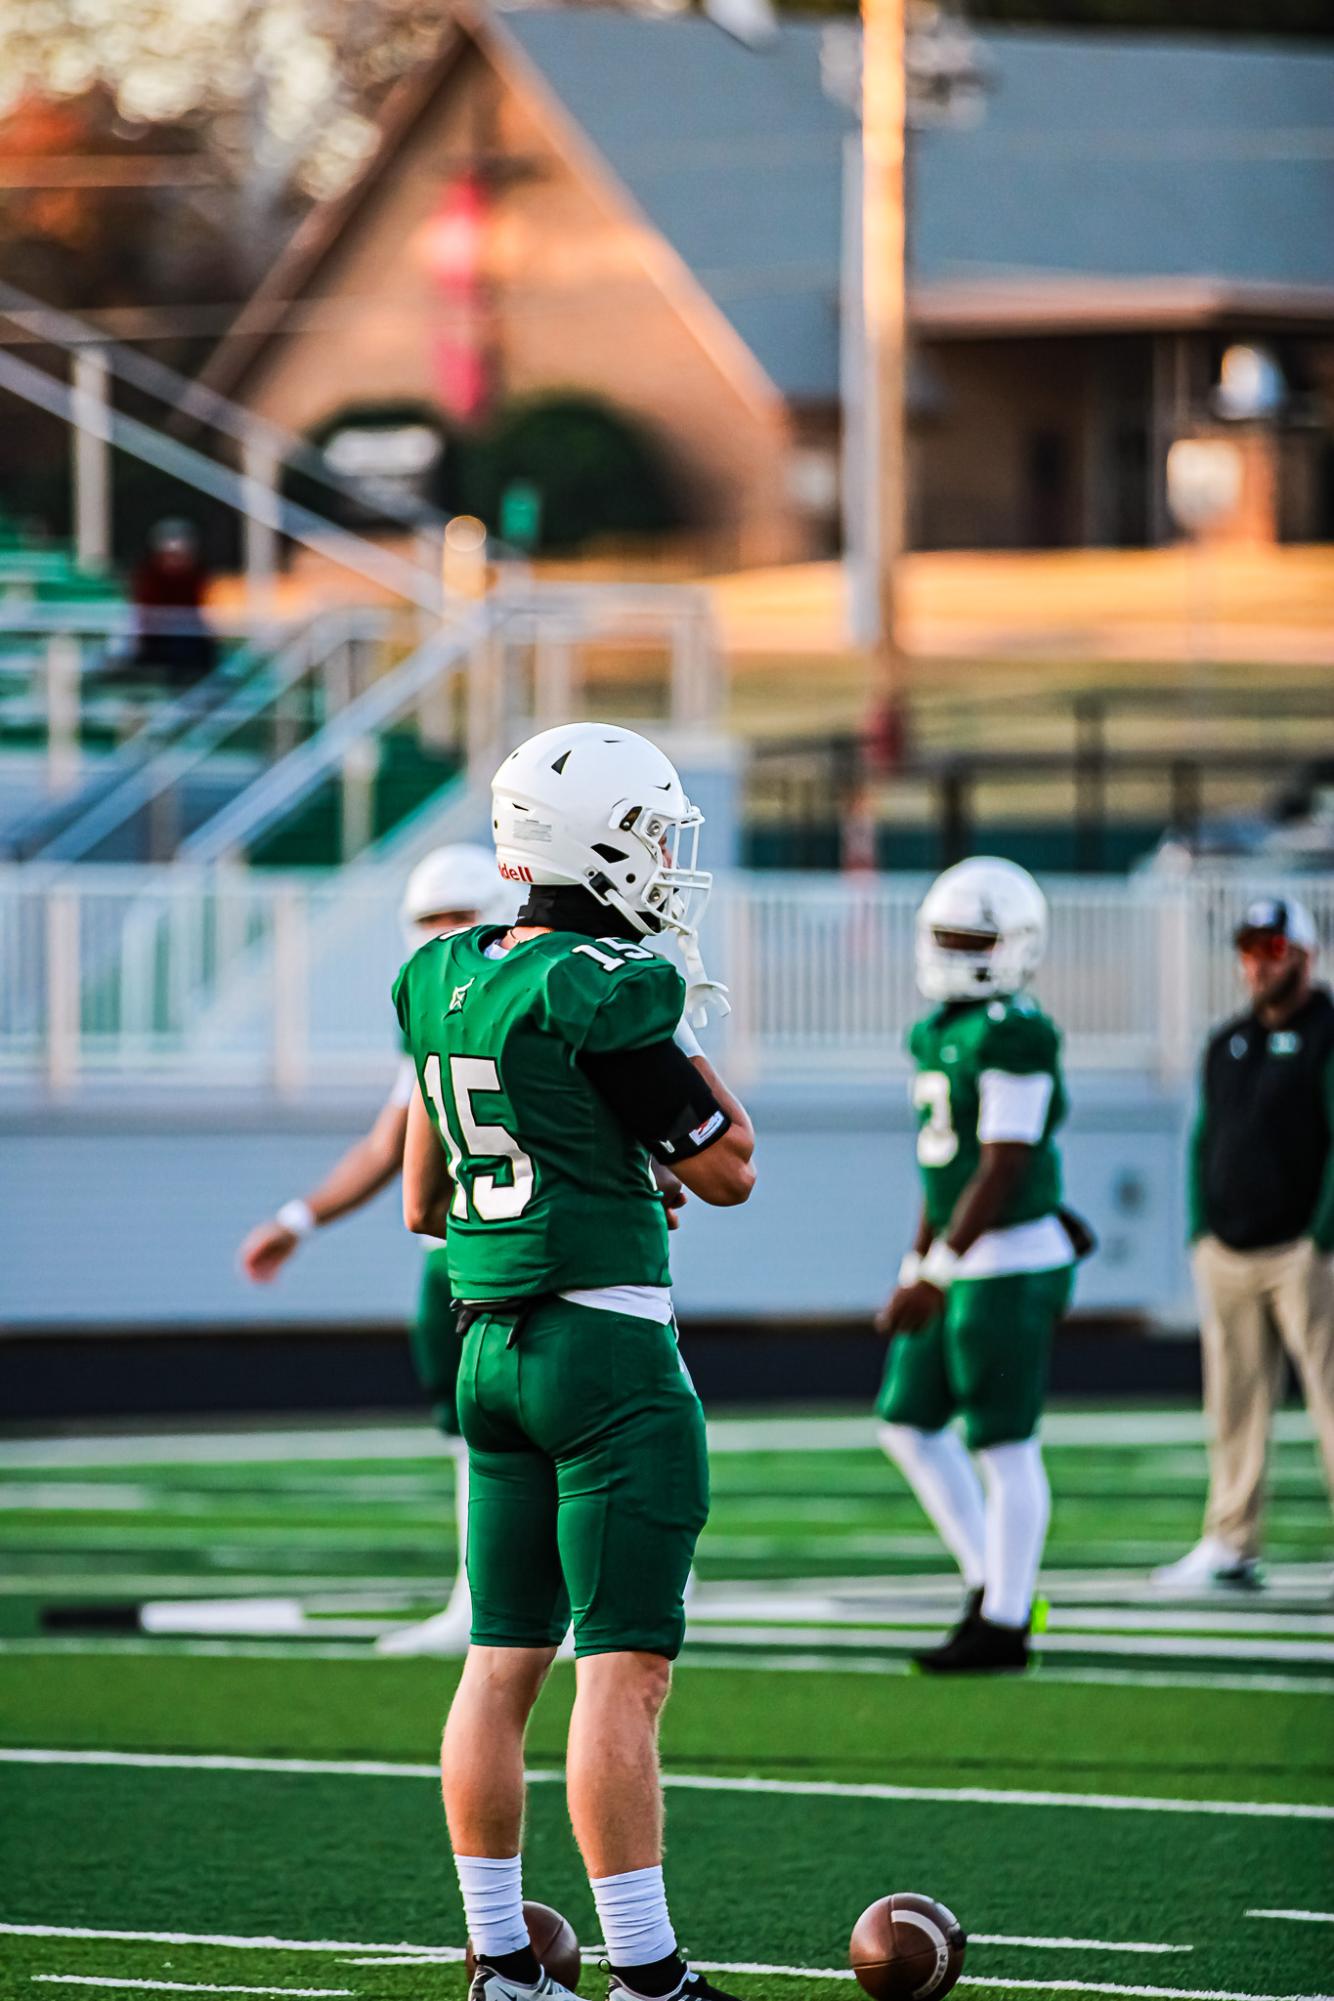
552, 1939
907, 1948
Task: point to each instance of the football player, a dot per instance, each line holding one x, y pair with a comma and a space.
988, 1278
554, 1064
450, 889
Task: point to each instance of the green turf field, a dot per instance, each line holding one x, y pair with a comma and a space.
225, 1810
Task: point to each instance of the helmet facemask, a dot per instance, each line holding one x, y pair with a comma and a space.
981, 930
953, 964
670, 895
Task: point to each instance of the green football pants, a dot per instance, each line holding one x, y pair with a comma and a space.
589, 1480
985, 1358
436, 1347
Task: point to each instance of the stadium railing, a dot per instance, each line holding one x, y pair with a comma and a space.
121, 976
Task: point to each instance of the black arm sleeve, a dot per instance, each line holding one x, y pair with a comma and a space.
661, 1097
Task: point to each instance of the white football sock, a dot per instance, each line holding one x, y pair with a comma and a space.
492, 1888
460, 1598
1018, 1510
632, 1910
941, 1475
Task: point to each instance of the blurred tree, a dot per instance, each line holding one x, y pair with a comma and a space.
280, 95
588, 470
96, 210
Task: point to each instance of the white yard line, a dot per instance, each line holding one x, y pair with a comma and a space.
714, 1605
241, 1942
1073, 1944
726, 1435
406, 1953
1237, 1684
246, 1650
998, 1981
695, 1658
1288, 1587
177, 1986
428, 1956
375, 1768
95, 1583
1114, 1987
1319, 1653
1298, 1917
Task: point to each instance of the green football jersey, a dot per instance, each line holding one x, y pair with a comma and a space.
952, 1049
551, 1192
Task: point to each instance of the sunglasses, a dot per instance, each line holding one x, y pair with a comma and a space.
1271, 945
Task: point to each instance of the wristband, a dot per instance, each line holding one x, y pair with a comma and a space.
686, 1039
297, 1218
939, 1265
910, 1269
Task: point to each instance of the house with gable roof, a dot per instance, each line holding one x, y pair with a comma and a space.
644, 209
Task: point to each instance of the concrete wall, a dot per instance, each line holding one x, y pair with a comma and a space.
130, 1217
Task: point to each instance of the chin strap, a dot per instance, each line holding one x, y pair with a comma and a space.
702, 993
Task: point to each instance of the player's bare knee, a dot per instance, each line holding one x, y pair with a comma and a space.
506, 1677
623, 1678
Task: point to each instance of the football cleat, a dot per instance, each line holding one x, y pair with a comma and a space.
444, 1635
977, 1646
488, 1985
692, 1986
1210, 1566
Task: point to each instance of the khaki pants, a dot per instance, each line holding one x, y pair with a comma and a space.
1254, 1305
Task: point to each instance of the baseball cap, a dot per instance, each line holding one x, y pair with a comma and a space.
1282, 915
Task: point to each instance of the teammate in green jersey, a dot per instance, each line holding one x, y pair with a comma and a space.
554, 1067
450, 889
989, 1275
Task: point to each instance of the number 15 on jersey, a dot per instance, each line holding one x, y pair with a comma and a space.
493, 1200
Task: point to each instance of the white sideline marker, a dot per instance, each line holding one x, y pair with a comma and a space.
428, 1955
378, 1768
241, 1942
1006, 1986
1298, 1917
410, 1440
1073, 1944
406, 1952
177, 1986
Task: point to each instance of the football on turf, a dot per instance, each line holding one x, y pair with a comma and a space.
907, 1948
552, 1939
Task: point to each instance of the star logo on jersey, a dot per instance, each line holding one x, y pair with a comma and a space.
457, 998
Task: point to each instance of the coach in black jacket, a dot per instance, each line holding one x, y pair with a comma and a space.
1262, 1225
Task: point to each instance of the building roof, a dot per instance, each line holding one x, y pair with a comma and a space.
1110, 181
1096, 158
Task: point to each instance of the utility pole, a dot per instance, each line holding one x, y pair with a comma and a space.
884, 118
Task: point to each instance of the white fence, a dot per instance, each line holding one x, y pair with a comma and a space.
224, 978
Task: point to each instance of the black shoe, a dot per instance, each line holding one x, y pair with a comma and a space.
691, 1987
972, 1612
978, 1647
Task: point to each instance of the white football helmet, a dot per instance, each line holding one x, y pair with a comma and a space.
601, 808
982, 929
452, 880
